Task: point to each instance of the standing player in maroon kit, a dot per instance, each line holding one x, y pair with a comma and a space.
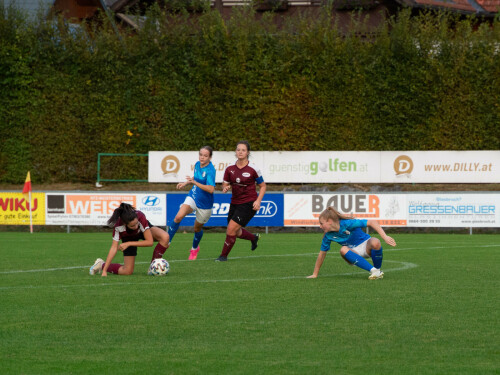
130, 226
241, 177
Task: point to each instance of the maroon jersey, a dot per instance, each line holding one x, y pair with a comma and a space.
121, 232
243, 182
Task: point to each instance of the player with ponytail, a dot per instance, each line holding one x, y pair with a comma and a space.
134, 230
242, 178
356, 245
200, 199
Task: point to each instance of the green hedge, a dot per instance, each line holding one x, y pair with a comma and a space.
430, 82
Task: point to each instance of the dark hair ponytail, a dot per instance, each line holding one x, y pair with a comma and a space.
125, 211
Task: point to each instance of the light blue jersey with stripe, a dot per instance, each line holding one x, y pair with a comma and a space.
350, 234
204, 176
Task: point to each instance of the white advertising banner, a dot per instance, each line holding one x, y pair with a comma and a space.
320, 166
174, 166
341, 166
454, 210
276, 166
96, 208
303, 210
440, 166
404, 210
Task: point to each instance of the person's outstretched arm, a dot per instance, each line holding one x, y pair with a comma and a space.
376, 226
317, 266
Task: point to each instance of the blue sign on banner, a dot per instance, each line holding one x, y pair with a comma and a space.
271, 213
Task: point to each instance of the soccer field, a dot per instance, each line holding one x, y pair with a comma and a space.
435, 312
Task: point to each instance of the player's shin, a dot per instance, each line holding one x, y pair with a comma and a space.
377, 257
197, 238
158, 252
358, 260
114, 268
246, 235
228, 245
172, 229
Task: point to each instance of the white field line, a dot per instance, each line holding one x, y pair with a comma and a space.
168, 280
247, 257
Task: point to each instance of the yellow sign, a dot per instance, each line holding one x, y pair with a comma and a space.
15, 209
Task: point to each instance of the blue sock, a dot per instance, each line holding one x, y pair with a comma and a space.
377, 258
172, 229
197, 239
358, 260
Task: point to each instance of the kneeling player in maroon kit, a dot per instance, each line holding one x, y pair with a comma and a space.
133, 229
241, 177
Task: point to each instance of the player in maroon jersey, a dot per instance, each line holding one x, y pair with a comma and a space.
134, 230
241, 177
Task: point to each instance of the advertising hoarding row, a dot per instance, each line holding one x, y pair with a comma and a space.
65, 208
277, 209
340, 166
399, 210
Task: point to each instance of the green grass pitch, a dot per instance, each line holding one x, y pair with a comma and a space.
435, 312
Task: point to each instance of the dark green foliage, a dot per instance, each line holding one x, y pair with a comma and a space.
430, 82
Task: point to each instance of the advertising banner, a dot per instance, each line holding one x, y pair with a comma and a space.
84, 208
154, 206
454, 210
15, 209
321, 166
270, 213
96, 209
303, 210
276, 166
440, 167
174, 166
341, 166
457, 210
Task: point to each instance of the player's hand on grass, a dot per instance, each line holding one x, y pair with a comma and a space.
312, 276
104, 274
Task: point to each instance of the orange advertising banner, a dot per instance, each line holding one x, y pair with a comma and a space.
96, 204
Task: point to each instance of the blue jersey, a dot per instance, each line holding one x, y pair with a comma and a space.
204, 176
350, 234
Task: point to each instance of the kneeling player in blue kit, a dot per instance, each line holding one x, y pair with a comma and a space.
356, 245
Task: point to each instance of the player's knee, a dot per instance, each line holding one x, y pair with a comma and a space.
375, 243
127, 271
164, 239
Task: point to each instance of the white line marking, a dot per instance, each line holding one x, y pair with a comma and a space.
170, 261
252, 257
168, 281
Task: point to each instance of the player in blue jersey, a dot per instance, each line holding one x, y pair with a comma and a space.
199, 199
356, 245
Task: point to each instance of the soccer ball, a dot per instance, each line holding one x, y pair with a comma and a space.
159, 267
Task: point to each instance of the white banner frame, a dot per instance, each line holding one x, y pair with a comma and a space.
340, 167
